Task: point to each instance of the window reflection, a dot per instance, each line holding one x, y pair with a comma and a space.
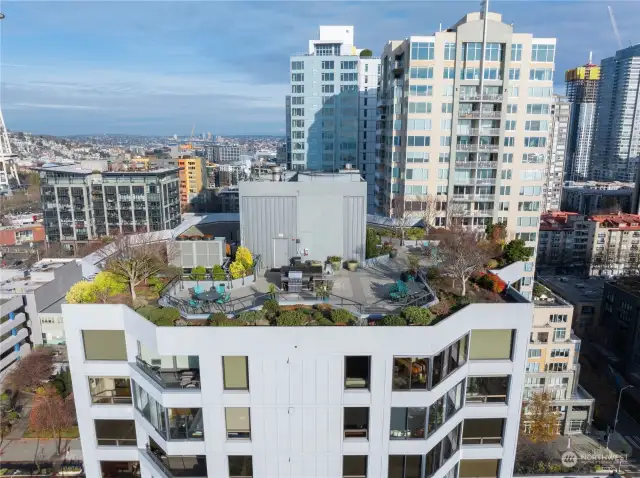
436, 415
170, 423
410, 373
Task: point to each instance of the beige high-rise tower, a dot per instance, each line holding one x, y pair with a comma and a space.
464, 117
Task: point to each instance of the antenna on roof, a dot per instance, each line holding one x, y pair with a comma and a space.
590, 57
484, 5
440, 28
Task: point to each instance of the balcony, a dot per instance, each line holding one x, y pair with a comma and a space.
115, 432
171, 378
110, 390
356, 422
479, 114
177, 466
476, 164
483, 431
474, 180
485, 131
481, 212
479, 97
487, 389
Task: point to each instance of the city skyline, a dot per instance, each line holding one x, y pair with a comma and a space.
112, 70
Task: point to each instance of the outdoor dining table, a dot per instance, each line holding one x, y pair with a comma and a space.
209, 296
414, 288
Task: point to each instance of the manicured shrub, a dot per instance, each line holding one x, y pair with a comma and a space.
393, 321
417, 315
218, 273
292, 318
342, 316
251, 317
271, 307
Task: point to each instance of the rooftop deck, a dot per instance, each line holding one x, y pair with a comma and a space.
366, 291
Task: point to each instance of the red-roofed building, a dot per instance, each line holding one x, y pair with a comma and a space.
606, 244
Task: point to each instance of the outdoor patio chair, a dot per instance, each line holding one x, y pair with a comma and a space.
198, 289
194, 303
402, 288
219, 288
225, 299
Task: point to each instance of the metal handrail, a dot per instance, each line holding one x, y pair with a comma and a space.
158, 461
481, 440
486, 398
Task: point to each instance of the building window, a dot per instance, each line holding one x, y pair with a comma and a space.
327, 65
541, 74
297, 76
533, 367
472, 51
534, 353
516, 52
297, 65
110, 390
356, 422
115, 432
421, 72
493, 52
422, 51
410, 373
402, 466
514, 73
420, 90
544, 53
354, 466
447, 107
357, 371
240, 466
482, 431
558, 318
507, 157
449, 73
491, 344
238, 422
559, 335
104, 345
487, 389
235, 371
449, 51
512, 109
559, 353
576, 425
348, 65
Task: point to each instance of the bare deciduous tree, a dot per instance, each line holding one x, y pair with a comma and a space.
30, 371
51, 414
455, 211
402, 218
137, 257
462, 253
428, 210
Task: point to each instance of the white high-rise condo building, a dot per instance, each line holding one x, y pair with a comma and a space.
582, 91
465, 118
333, 105
300, 402
558, 132
617, 138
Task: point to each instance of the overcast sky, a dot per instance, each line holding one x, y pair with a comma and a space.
158, 67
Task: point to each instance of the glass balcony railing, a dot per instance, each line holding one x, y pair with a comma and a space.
171, 378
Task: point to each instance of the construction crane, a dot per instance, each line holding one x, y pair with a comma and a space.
615, 27
193, 130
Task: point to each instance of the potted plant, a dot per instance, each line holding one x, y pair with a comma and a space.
352, 265
393, 253
323, 290
336, 262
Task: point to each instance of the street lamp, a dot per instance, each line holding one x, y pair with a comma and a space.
615, 421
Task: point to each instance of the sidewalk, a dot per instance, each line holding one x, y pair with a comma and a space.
39, 450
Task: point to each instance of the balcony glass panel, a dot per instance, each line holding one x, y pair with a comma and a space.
169, 371
170, 423
120, 469
479, 468
115, 432
410, 373
236, 373
110, 390
354, 466
177, 466
483, 431
487, 389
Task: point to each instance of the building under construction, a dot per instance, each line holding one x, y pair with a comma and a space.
582, 92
